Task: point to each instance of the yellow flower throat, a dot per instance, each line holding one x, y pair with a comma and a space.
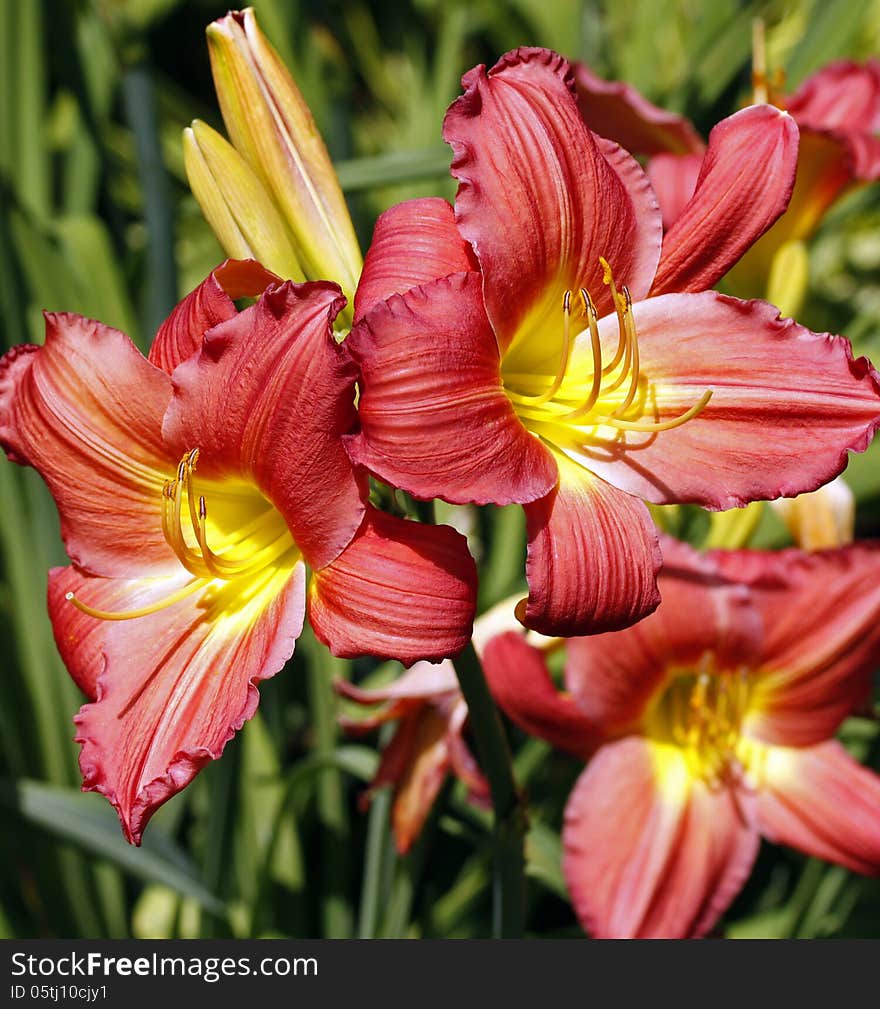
609, 394
244, 536
701, 714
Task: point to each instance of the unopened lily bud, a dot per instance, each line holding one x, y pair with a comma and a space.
789, 277
235, 203
822, 519
271, 126
732, 529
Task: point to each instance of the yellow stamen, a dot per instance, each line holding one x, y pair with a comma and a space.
659, 425
702, 713
625, 313
596, 350
266, 533
568, 408
143, 611
760, 93
565, 357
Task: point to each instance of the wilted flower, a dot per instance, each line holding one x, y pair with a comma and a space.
427, 744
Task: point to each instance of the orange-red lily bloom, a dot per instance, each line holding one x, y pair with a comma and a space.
194, 487
837, 110
428, 743
711, 725
527, 348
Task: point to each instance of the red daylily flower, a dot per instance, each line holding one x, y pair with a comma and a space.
194, 487
710, 724
509, 352
837, 110
428, 744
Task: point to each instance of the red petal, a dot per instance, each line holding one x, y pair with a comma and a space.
777, 388
648, 852
423, 681
842, 95
461, 760
536, 199
520, 683
178, 684
616, 110
86, 411
819, 800
744, 185
674, 179
414, 243
268, 398
211, 303
399, 590
434, 416
614, 677
80, 638
821, 613
825, 172
592, 558
843, 100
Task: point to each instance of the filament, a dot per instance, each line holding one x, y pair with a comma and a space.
143, 611
659, 425
565, 357
192, 547
608, 394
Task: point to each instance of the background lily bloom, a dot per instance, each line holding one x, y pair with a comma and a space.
712, 724
430, 708
838, 112
194, 487
427, 745
530, 365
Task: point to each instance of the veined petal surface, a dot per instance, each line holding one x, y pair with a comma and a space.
435, 420
649, 851
269, 397
786, 405
592, 557
85, 410
400, 590
414, 242
179, 683
211, 303
819, 800
537, 200
744, 185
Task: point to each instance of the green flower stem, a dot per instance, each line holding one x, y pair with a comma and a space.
509, 830
375, 861
332, 813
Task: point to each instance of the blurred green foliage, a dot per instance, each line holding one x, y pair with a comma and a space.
96, 218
